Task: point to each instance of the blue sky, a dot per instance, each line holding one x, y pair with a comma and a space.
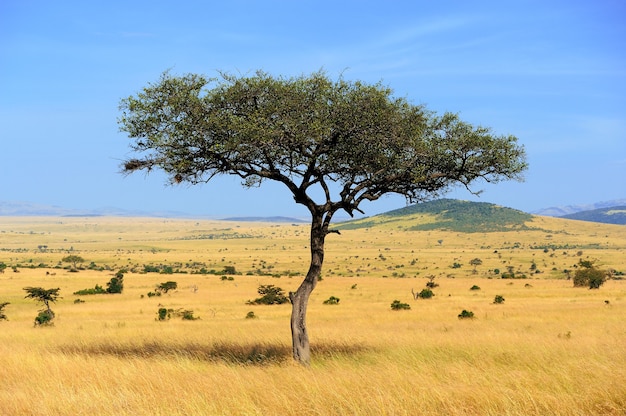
552, 73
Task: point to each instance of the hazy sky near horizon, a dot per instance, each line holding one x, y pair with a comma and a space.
552, 73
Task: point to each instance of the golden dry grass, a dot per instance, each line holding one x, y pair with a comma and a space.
548, 349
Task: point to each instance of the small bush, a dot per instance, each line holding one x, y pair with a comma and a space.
475, 287
426, 294
162, 314
270, 295
396, 305
498, 299
44, 318
331, 301
185, 314
465, 314
251, 315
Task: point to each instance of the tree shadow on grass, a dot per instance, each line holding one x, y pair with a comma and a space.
225, 352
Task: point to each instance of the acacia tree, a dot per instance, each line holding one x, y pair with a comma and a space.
332, 143
45, 296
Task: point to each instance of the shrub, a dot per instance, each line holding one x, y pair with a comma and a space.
44, 318
331, 301
475, 287
251, 315
396, 305
465, 314
270, 295
588, 275
116, 284
431, 282
185, 314
162, 314
167, 286
96, 290
498, 299
426, 294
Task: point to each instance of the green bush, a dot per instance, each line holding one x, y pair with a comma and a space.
465, 314
96, 290
589, 276
331, 301
475, 287
498, 299
396, 305
426, 294
116, 284
185, 314
44, 318
270, 295
167, 286
251, 315
162, 314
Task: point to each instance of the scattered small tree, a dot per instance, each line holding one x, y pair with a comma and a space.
74, 260
167, 286
270, 295
116, 284
44, 296
431, 282
588, 275
475, 262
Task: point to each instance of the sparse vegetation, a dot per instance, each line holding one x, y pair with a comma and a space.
3, 316
396, 305
226, 364
465, 314
498, 299
331, 301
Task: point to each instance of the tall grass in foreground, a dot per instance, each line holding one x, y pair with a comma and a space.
548, 349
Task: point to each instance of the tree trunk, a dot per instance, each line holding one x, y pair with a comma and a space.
300, 298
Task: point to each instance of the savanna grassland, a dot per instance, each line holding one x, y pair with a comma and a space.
548, 349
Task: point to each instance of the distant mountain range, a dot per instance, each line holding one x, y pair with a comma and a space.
611, 215
27, 209
609, 212
562, 211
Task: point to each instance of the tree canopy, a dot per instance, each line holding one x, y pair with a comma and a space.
333, 143
308, 132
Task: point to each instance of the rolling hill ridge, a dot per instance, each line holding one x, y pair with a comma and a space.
447, 214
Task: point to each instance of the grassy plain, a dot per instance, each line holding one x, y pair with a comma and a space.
548, 349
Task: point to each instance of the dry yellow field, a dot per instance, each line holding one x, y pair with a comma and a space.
549, 349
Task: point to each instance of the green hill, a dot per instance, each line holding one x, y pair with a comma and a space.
612, 215
447, 214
